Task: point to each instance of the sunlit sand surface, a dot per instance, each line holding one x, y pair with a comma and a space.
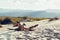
40, 32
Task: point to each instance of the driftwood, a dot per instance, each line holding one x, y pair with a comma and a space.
29, 29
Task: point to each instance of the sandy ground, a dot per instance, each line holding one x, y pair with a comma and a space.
40, 33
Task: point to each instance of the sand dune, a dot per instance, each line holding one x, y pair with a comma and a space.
45, 31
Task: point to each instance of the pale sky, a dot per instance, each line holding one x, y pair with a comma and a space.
30, 4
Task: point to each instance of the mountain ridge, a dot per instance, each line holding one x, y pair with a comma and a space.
30, 13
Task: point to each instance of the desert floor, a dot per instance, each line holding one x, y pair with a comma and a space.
44, 31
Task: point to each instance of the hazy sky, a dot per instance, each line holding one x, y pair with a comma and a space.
30, 4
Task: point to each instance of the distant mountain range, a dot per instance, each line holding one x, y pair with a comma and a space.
18, 13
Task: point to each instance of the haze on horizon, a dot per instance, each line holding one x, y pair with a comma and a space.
32, 8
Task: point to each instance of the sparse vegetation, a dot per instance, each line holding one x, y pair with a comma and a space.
14, 19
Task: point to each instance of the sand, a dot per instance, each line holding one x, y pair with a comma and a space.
45, 31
